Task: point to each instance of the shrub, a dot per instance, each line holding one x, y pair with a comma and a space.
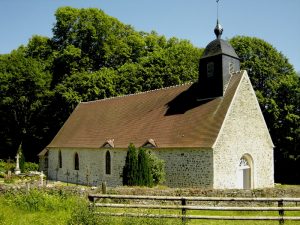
7, 166
83, 215
2, 166
157, 169
29, 166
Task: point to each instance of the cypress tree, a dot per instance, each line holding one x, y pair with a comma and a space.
144, 169
130, 170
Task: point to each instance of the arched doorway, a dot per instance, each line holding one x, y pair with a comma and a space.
245, 172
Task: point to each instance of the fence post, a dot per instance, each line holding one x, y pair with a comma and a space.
281, 212
92, 204
104, 187
183, 210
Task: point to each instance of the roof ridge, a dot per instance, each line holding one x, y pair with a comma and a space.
138, 93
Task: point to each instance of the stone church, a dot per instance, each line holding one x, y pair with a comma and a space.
210, 133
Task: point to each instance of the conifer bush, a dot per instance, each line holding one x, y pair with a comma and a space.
145, 177
131, 166
142, 168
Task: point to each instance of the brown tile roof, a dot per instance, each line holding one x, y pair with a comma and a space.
172, 117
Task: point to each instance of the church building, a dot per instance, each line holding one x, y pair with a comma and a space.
210, 134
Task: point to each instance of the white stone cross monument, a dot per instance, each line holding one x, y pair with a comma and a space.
17, 169
42, 179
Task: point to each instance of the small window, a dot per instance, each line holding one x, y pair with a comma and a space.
46, 160
210, 69
107, 163
76, 161
59, 159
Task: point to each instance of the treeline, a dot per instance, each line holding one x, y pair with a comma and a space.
90, 56
93, 56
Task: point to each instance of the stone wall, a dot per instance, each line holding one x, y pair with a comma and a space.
91, 166
243, 132
184, 168
187, 168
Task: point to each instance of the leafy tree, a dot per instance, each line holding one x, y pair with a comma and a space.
103, 39
130, 169
129, 79
41, 48
86, 86
23, 85
66, 62
277, 88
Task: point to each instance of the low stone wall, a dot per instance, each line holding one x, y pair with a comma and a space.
289, 191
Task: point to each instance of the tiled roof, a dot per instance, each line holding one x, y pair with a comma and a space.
172, 117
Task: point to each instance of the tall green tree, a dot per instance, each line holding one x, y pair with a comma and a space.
277, 88
145, 177
130, 170
23, 85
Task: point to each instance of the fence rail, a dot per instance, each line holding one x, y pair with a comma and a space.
192, 203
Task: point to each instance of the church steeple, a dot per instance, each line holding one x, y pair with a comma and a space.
218, 62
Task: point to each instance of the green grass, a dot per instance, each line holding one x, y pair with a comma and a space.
60, 206
36, 207
198, 221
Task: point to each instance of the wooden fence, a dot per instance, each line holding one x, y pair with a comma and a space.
281, 205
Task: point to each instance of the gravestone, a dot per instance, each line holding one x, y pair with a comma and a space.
42, 179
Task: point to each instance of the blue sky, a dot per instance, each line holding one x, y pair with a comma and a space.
275, 21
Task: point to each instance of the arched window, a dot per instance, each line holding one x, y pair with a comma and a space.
107, 163
59, 159
76, 161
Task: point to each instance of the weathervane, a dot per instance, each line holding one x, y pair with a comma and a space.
217, 9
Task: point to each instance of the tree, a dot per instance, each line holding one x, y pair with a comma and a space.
142, 168
23, 85
145, 177
130, 170
101, 38
278, 91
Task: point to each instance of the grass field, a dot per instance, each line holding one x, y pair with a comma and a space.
58, 206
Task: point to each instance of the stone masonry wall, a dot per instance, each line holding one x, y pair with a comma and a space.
187, 168
91, 166
184, 168
244, 132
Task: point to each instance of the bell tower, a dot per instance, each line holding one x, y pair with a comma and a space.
217, 64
